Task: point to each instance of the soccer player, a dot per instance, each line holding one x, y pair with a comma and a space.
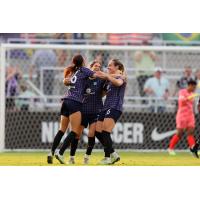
185, 119
112, 109
92, 105
71, 107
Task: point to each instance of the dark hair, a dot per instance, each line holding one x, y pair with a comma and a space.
119, 64
192, 82
93, 63
77, 62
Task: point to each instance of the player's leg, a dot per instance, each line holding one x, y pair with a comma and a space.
191, 142
180, 126
108, 125
99, 127
75, 121
91, 142
99, 124
74, 145
175, 139
64, 122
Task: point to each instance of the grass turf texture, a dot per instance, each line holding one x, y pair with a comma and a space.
127, 159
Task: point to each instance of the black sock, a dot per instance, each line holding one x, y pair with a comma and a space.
107, 143
71, 136
56, 141
73, 148
91, 143
111, 142
99, 136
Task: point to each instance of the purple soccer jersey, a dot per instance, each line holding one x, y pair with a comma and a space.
92, 102
115, 96
78, 84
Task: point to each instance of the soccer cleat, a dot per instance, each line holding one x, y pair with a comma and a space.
86, 159
194, 150
50, 158
171, 152
106, 161
60, 158
71, 160
114, 158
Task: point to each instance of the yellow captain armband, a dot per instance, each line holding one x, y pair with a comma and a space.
193, 96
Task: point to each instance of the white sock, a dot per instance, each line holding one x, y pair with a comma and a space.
86, 156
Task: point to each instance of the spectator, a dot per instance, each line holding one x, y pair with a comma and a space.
64, 37
145, 62
157, 87
182, 82
102, 57
100, 38
44, 58
80, 37
62, 58
13, 75
197, 78
25, 100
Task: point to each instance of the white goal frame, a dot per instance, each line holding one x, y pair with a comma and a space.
8, 46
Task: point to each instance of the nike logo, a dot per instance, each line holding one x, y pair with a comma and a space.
155, 136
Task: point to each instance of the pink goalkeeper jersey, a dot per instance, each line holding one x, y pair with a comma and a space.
185, 106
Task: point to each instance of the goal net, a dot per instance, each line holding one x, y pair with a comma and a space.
31, 89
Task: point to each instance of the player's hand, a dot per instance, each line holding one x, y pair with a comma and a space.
101, 75
66, 81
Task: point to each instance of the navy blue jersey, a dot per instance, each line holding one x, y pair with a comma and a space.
78, 84
92, 102
115, 96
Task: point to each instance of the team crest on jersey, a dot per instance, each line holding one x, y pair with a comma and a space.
95, 83
88, 90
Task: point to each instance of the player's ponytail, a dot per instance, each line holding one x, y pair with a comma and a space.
77, 62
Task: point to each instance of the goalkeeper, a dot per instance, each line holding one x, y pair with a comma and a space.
185, 119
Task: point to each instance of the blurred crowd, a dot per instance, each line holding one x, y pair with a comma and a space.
152, 83
82, 38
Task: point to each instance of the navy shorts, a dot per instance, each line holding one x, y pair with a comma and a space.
69, 107
110, 113
88, 119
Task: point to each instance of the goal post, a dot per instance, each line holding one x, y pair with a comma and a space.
2, 97
29, 116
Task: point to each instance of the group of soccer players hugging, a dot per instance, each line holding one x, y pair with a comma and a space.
83, 106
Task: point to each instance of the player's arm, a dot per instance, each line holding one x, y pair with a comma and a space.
67, 81
116, 82
67, 76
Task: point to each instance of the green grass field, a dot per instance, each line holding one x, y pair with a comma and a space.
127, 159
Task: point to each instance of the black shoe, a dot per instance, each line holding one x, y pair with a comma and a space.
194, 150
50, 159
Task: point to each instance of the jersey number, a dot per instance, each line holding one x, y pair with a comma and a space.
74, 78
